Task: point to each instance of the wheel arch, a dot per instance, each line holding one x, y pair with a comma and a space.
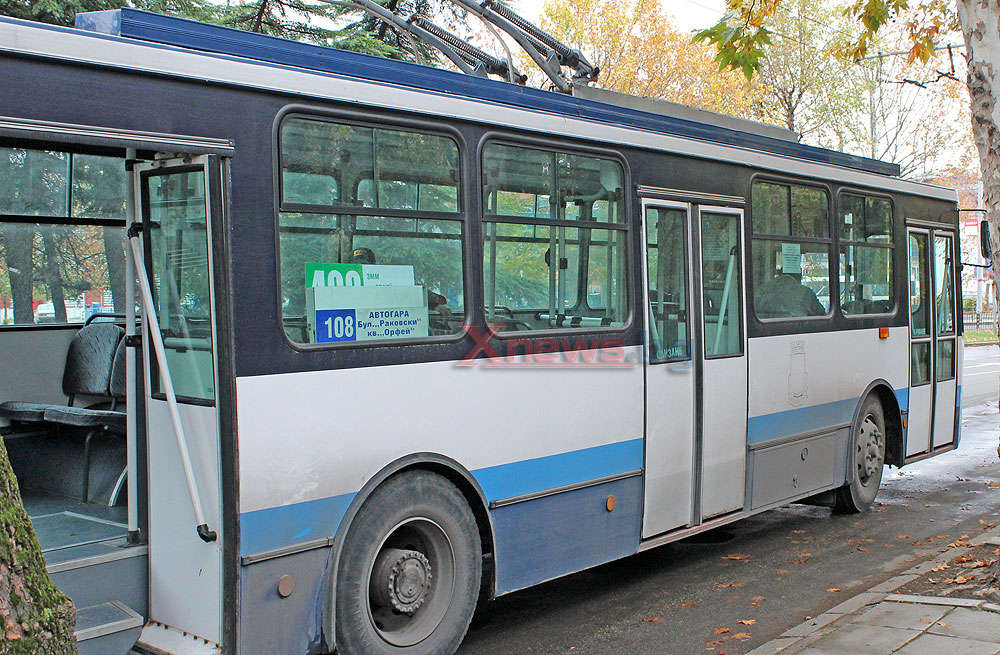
895, 450
435, 463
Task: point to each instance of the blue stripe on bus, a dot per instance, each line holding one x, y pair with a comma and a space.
276, 527
796, 421
903, 398
531, 475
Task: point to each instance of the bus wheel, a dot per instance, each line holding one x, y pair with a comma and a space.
866, 459
410, 571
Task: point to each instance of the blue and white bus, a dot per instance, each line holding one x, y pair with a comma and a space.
389, 341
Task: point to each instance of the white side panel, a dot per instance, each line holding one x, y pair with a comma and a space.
305, 436
807, 370
944, 412
724, 426
669, 447
918, 422
185, 573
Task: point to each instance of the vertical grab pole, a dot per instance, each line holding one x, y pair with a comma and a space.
131, 397
149, 316
724, 305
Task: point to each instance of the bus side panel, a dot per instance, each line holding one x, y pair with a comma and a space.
808, 386
550, 537
310, 441
292, 625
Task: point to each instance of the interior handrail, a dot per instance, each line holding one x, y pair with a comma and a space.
146, 295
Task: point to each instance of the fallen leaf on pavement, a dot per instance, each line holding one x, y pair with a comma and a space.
653, 619
902, 536
833, 590
758, 598
740, 558
747, 621
940, 567
725, 585
741, 635
688, 604
722, 631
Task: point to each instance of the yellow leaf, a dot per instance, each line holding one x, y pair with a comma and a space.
747, 621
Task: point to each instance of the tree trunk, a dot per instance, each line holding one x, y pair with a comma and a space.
980, 21
53, 276
17, 246
37, 619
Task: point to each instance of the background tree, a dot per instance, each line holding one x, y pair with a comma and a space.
742, 36
800, 88
640, 53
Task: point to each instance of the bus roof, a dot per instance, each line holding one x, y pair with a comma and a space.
154, 28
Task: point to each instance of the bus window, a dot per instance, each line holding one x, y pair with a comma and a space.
944, 302
866, 252
666, 234
65, 270
370, 234
791, 251
554, 240
722, 284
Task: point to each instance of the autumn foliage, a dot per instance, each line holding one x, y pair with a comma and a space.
640, 53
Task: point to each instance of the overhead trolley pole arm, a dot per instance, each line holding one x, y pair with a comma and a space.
568, 57
494, 65
149, 317
387, 16
546, 58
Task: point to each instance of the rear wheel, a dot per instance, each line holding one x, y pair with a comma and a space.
409, 575
866, 459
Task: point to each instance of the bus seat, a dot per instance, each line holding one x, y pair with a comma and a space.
87, 372
96, 421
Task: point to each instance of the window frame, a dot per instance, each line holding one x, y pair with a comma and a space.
67, 220
626, 226
891, 246
462, 217
830, 241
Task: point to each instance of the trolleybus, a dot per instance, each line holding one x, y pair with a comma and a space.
377, 341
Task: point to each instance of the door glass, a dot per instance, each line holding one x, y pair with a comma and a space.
721, 284
945, 360
943, 295
919, 289
920, 364
666, 231
181, 280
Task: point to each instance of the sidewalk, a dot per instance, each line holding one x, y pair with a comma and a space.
880, 622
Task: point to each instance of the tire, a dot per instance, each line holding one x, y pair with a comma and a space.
413, 524
866, 459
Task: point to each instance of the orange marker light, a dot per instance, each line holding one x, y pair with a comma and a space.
883, 333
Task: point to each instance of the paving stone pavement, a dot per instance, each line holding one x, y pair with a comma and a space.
879, 622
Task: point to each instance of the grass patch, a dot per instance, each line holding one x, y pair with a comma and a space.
980, 336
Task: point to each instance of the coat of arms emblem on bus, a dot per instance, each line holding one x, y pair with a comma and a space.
798, 379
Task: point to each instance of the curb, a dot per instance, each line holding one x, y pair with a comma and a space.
979, 343
819, 626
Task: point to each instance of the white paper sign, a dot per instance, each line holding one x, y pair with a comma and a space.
791, 258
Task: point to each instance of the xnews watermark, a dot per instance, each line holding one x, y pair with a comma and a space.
560, 351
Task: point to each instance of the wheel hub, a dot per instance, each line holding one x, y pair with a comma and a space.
401, 580
870, 457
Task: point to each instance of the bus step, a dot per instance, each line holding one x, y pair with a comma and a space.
107, 629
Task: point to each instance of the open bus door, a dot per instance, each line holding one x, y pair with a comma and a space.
176, 201
934, 353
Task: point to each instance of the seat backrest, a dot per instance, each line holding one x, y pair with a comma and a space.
118, 377
88, 363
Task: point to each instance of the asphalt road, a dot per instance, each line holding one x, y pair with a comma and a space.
793, 563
